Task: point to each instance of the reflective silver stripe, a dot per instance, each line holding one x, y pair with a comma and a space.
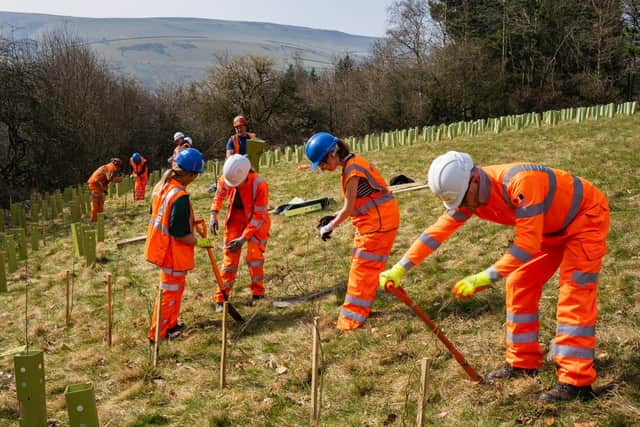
576, 331
351, 315
523, 338
369, 256
255, 223
372, 181
408, 265
228, 285
493, 273
570, 351
165, 320
582, 278
372, 204
522, 318
261, 208
540, 207
257, 279
157, 221
170, 287
358, 301
255, 239
255, 263
457, 215
576, 201
519, 253
429, 241
172, 272
228, 269
171, 303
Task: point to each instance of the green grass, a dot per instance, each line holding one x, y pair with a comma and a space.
370, 376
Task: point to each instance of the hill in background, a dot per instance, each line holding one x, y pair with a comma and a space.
179, 50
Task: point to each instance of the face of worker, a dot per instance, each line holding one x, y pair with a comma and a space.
471, 198
241, 130
330, 162
179, 141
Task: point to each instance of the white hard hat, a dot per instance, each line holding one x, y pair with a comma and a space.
448, 177
178, 135
235, 169
188, 139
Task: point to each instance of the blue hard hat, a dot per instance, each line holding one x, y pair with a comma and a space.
136, 158
318, 146
190, 160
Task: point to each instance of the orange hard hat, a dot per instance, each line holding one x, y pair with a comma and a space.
239, 121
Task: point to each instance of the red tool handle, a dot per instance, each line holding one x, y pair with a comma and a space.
401, 295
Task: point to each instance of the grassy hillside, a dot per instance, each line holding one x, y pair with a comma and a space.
155, 50
370, 376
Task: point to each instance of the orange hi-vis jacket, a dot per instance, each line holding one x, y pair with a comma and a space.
539, 201
254, 193
101, 177
140, 169
161, 248
236, 142
180, 147
377, 212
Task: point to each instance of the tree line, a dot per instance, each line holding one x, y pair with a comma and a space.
63, 112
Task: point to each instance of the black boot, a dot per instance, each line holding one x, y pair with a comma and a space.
508, 371
563, 392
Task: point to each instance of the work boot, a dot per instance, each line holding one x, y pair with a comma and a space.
219, 307
508, 371
563, 392
175, 331
255, 299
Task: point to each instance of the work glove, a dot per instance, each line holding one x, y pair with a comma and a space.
393, 276
471, 285
213, 223
325, 231
325, 220
204, 242
236, 244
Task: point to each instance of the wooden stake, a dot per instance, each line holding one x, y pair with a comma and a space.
156, 342
223, 351
424, 374
68, 299
109, 308
314, 373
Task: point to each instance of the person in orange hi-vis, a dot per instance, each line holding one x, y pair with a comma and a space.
374, 213
181, 142
98, 184
561, 222
140, 173
170, 239
237, 143
247, 222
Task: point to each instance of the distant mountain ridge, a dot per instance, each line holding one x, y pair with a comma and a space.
179, 50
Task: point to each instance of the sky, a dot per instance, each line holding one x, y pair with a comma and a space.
363, 17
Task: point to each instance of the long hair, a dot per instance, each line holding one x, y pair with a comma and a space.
342, 149
175, 172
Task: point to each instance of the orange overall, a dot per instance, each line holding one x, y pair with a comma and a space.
376, 218
251, 222
98, 183
173, 257
561, 221
141, 174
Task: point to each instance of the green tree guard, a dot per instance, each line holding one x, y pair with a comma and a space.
58, 202
21, 241
81, 405
67, 194
111, 190
10, 247
100, 227
29, 370
77, 239
90, 248
2, 215
3, 274
34, 213
76, 210
34, 234
255, 147
17, 215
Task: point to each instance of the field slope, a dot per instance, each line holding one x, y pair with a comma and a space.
369, 377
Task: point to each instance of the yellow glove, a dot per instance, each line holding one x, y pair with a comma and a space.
471, 285
204, 242
392, 276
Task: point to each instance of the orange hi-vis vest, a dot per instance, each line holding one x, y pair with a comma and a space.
101, 177
539, 201
254, 193
236, 142
377, 212
140, 169
161, 248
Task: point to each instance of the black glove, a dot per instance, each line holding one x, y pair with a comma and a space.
325, 220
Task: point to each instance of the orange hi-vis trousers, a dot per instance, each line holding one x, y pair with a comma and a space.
97, 202
578, 252
368, 259
172, 284
139, 186
255, 257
